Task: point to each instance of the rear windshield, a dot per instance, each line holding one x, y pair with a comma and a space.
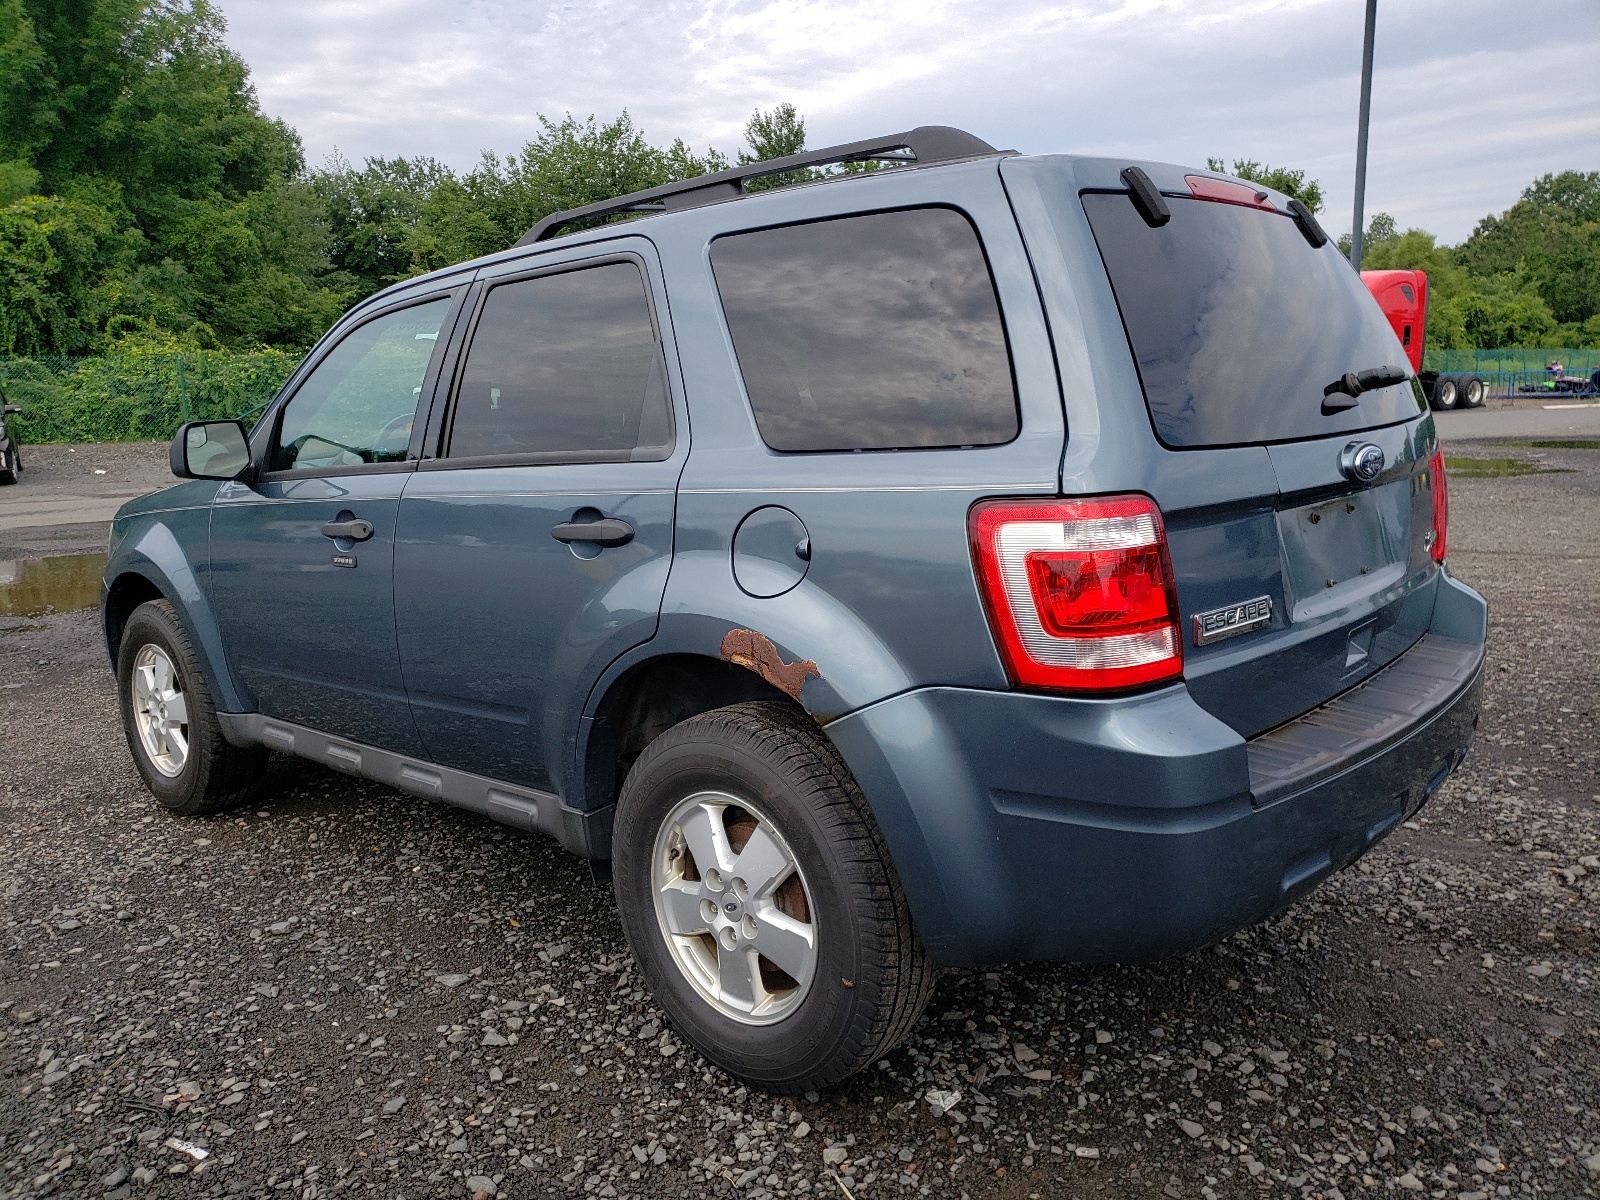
1238, 324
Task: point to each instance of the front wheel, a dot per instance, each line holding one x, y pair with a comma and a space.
170, 722
11, 463
758, 896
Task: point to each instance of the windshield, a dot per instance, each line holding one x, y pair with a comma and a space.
1238, 325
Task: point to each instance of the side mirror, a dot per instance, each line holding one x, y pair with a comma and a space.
211, 450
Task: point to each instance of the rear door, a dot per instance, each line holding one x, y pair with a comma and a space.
1238, 325
533, 548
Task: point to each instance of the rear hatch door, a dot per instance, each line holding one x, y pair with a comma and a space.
1238, 324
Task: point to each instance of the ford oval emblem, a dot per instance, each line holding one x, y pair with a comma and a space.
1361, 461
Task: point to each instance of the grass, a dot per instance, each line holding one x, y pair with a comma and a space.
1496, 468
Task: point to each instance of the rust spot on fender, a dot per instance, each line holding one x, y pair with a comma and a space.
755, 651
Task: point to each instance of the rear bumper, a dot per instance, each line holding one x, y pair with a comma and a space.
1036, 827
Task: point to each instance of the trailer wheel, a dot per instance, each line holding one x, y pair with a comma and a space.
1472, 392
1445, 393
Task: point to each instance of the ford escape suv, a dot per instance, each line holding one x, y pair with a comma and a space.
980, 559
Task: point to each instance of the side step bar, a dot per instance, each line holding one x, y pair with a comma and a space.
587, 834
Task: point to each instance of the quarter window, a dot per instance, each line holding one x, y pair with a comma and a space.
565, 367
357, 406
873, 332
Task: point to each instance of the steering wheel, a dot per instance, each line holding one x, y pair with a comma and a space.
402, 421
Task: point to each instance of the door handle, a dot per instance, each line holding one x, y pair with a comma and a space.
609, 531
355, 531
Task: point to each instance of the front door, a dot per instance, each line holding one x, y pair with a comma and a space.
302, 563
534, 550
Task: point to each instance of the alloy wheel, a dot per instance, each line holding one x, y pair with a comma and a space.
734, 908
160, 710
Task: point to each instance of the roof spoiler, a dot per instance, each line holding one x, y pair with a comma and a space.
923, 145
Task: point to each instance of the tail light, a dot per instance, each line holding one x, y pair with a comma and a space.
1202, 187
1079, 592
1441, 505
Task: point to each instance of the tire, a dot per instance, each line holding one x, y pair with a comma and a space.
770, 780
156, 670
1446, 392
1472, 391
11, 464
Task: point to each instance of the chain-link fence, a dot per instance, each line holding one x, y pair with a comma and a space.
1479, 362
135, 397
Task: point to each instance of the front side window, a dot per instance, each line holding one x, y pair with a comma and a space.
357, 406
565, 367
873, 332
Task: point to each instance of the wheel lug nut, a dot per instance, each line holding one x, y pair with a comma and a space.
748, 926
729, 939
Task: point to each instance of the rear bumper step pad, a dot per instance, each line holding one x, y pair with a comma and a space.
1363, 721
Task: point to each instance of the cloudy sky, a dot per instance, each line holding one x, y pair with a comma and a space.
1472, 99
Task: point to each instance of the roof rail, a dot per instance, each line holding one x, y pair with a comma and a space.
923, 145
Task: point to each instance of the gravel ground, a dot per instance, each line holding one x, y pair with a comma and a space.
108, 470
347, 991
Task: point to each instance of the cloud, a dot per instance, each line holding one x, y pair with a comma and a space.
1472, 99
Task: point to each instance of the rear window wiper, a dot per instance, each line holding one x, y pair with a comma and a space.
1345, 391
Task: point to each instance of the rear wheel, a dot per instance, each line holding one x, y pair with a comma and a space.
758, 896
1445, 392
1472, 392
170, 721
11, 463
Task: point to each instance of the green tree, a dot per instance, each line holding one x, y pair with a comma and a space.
1550, 238
570, 164
55, 257
371, 214
775, 134
1382, 232
1283, 179
139, 109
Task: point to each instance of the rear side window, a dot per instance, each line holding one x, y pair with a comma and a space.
1237, 324
875, 332
565, 368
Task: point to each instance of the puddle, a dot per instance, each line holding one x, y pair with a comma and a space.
31, 587
1493, 468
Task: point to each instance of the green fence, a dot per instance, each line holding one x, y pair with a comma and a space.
1455, 362
135, 397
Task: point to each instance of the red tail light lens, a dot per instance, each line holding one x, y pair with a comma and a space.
1079, 592
1441, 505
1202, 187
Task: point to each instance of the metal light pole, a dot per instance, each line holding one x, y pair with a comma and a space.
1361, 135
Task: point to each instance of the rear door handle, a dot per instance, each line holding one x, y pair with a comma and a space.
609, 531
355, 531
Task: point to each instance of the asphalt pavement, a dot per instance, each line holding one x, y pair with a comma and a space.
67, 495
1551, 419
346, 991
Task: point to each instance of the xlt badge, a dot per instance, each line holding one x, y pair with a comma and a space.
1235, 619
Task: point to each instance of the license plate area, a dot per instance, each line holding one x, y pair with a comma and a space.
1337, 550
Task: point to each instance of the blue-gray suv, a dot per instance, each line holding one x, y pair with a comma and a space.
976, 558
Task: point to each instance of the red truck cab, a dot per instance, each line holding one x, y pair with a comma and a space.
1403, 296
